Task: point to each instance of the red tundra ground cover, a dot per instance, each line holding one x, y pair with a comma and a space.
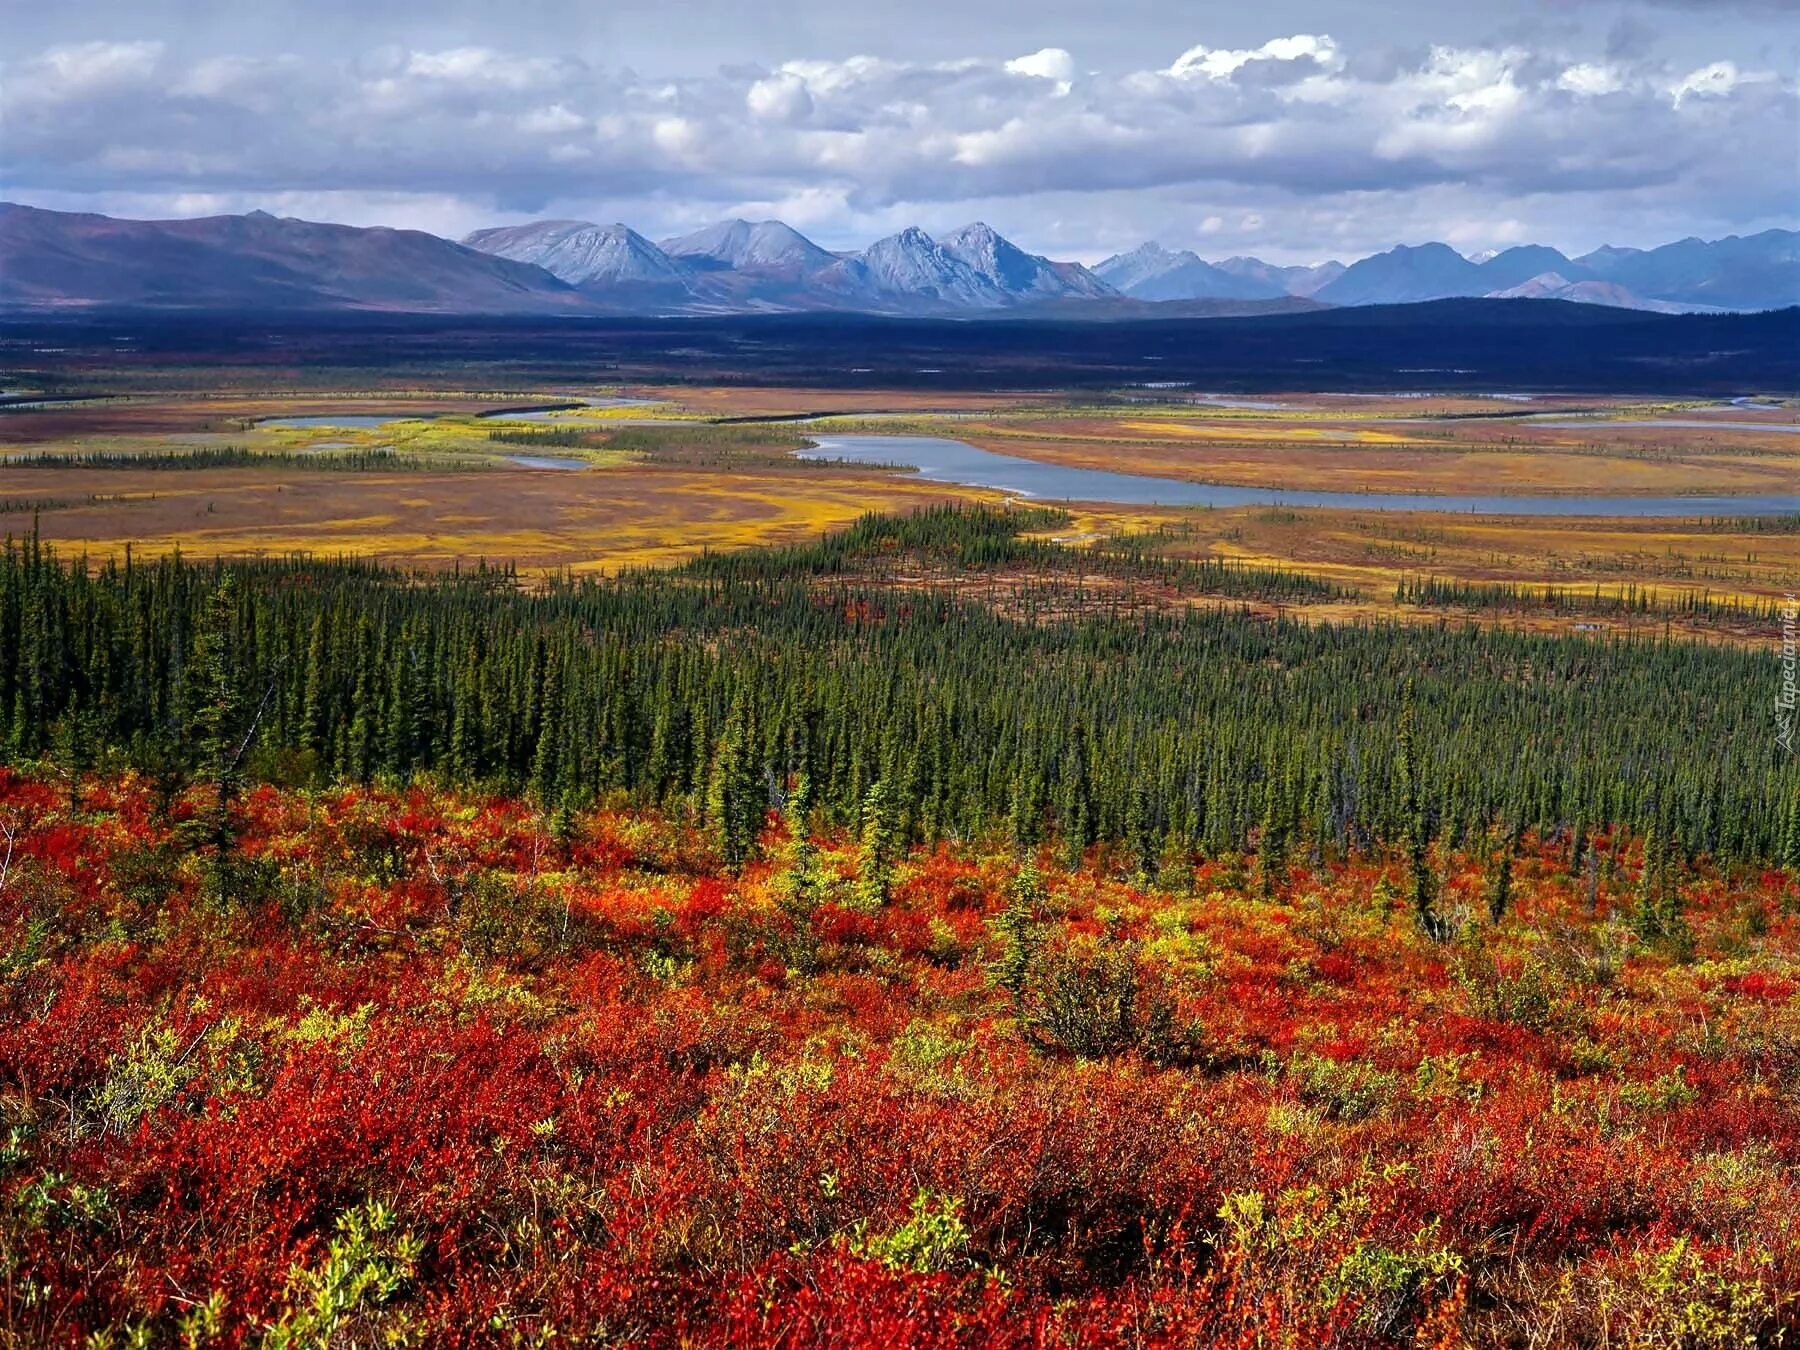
416, 1068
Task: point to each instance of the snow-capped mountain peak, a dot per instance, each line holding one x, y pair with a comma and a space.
1023, 276
763, 245
913, 267
585, 254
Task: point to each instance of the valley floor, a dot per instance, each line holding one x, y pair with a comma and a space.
435, 481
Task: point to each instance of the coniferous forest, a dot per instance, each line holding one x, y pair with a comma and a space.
710, 689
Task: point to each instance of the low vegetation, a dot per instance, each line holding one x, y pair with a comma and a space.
405, 1066
220, 457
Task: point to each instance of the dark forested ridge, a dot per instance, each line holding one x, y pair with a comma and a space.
713, 688
1544, 345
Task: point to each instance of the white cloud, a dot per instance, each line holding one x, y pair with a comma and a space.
554, 120
480, 66
1051, 63
1220, 64
1591, 80
780, 98
70, 72
1715, 80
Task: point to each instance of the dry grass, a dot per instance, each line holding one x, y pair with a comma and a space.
1365, 454
752, 402
594, 521
1370, 551
234, 416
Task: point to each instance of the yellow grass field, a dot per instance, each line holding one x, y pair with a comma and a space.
598, 520
1611, 454
1370, 552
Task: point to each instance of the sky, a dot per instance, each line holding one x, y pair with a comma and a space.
1295, 130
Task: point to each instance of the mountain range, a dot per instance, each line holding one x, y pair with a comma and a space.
1152, 272
56, 259
740, 264
51, 259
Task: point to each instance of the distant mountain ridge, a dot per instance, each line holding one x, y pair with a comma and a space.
51, 259
57, 259
769, 245
1152, 272
1303, 281
1760, 271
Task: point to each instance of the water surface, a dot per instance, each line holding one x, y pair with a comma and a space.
950, 461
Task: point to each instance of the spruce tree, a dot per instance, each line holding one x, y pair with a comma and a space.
734, 805
801, 882
1500, 880
216, 725
875, 857
1018, 927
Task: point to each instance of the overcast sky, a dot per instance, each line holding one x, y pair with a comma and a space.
1294, 129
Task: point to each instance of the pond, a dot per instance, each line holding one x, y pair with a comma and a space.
547, 462
949, 461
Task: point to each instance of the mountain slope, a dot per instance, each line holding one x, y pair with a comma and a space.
1592, 291
1405, 274
1152, 272
763, 246
612, 261
59, 259
910, 270
1022, 276
1511, 266
753, 265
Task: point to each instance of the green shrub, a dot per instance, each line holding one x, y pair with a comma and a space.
933, 1238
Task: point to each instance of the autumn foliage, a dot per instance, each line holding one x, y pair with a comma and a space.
384, 1066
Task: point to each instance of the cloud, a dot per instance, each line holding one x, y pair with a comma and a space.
1590, 79
1051, 63
780, 98
1713, 81
1300, 133
70, 72
1216, 64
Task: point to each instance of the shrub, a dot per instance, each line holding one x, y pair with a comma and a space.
1347, 1090
1089, 999
1527, 994
143, 1078
366, 1266
932, 1239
